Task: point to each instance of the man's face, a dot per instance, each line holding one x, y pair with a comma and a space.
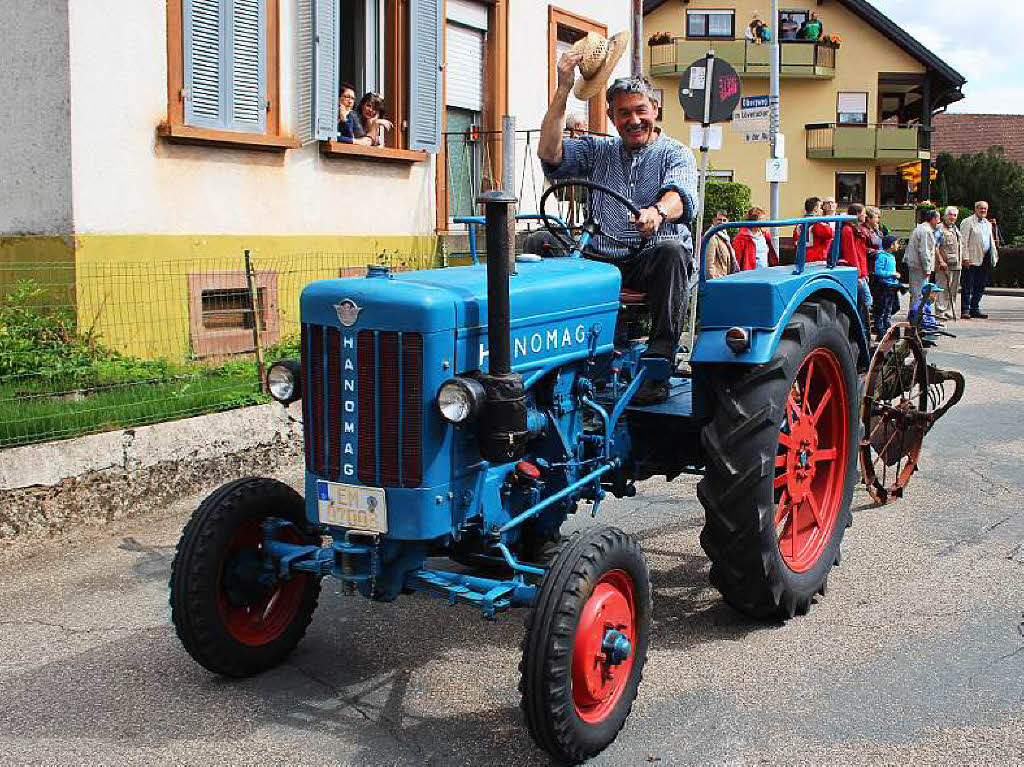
981, 210
720, 218
829, 205
633, 116
951, 217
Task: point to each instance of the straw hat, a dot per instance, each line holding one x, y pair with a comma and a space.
600, 55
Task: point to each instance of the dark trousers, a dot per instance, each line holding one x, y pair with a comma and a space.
661, 271
883, 300
973, 280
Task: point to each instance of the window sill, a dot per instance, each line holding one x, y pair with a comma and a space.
184, 134
375, 153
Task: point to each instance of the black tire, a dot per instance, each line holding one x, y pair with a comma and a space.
582, 563
209, 603
742, 449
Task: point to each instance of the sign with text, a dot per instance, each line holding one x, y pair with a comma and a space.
753, 118
725, 91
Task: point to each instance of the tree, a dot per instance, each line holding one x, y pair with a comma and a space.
730, 196
989, 176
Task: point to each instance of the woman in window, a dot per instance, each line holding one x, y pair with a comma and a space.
753, 247
350, 129
371, 117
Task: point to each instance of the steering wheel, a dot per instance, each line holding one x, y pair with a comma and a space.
591, 226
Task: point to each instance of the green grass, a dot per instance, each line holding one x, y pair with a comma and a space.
35, 416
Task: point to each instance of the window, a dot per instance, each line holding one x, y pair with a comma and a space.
564, 29
893, 190
719, 175
711, 24
850, 188
222, 72
221, 314
790, 23
367, 43
852, 109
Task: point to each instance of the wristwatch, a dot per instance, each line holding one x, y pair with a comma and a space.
661, 209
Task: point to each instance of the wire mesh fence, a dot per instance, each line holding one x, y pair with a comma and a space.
89, 347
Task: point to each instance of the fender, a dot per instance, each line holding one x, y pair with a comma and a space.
747, 297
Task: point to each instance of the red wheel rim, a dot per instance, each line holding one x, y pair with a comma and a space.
810, 464
264, 618
597, 682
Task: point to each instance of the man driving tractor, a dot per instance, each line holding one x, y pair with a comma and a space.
654, 251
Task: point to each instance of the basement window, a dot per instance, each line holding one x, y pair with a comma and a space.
222, 316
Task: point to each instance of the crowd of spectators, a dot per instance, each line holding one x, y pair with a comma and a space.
957, 259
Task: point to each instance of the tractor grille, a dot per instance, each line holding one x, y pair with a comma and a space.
388, 405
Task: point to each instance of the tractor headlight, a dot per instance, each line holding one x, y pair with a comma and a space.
460, 399
283, 381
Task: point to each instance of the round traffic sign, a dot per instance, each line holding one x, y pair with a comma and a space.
725, 90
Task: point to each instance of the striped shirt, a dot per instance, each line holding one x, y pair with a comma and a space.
643, 176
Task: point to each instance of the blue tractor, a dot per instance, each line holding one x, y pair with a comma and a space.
455, 418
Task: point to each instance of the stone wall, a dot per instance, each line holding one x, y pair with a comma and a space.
52, 488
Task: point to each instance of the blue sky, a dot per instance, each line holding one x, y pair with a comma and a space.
981, 39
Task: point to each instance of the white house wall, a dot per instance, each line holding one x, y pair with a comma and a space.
127, 180
35, 168
528, 50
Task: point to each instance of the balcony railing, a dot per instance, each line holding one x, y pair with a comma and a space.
799, 58
867, 142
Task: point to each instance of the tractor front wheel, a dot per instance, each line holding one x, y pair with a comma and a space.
781, 456
233, 613
586, 644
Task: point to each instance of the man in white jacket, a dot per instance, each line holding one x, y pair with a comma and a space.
979, 256
920, 253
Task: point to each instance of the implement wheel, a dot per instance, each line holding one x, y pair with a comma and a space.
895, 397
233, 614
781, 466
586, 644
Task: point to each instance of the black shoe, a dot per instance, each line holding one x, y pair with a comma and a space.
651, 393
978, 316
965, 316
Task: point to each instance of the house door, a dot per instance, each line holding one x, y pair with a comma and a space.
466, 39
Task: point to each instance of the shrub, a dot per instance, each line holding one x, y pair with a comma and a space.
730, 196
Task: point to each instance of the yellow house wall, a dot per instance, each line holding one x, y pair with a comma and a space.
133, 290
864, 53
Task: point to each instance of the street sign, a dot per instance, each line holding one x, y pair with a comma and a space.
776, 170
752, 117
714, 139
725, 91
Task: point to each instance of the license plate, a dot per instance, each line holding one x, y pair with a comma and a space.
353, 506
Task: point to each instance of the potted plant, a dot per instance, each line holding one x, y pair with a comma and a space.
660, 38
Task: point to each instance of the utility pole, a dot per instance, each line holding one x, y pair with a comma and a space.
637, 67
773, 106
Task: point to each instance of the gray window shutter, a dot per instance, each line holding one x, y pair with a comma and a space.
205, 71
464, 73
247, 92
304, 71
325, 72
426, 28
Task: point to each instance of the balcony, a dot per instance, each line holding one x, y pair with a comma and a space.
828, 141
799, 58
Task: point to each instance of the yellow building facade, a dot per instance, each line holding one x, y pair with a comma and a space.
852, 110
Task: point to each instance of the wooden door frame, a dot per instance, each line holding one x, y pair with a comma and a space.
597, 113
495, 99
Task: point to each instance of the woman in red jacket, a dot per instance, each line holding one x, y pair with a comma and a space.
754, 246
821, 233
853, 249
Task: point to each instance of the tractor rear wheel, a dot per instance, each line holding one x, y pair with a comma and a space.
233, 615
781, 455
586, 644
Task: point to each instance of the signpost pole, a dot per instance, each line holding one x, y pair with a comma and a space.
698, 229
773, 105
636, 67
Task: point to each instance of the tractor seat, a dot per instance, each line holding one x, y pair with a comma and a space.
629, 297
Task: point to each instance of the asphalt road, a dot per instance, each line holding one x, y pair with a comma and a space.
915, 654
